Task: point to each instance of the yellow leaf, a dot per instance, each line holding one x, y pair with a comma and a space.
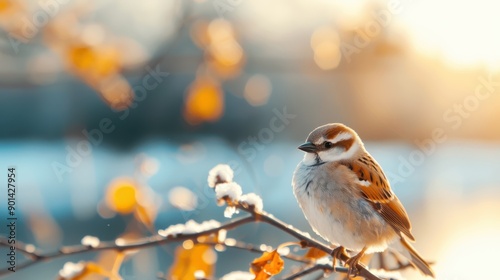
94, 268
121, 195
199, 257
267, 265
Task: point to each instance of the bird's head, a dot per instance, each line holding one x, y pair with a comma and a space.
329, 143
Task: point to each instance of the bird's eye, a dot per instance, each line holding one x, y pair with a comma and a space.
328, 145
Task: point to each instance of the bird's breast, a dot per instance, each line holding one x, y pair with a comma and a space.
334, 210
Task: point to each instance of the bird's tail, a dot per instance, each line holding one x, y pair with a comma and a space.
409, 253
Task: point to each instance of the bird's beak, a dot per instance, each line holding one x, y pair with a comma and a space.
308, 147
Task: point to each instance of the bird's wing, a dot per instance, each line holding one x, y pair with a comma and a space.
375, 188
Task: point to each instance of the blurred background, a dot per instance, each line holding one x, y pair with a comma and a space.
113, 112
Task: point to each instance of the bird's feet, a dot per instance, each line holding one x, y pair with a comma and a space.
337, 255
353, 262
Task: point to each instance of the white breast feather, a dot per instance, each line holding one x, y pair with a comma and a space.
325, 223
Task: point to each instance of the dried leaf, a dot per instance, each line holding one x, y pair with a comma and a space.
267, 265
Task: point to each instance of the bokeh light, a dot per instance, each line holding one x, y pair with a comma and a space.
257, 90
463, 36
183, 198
204, 101
325, 43
121, 195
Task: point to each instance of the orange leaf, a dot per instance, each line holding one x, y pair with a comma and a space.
315, 254
262, 276
267, 265
191, 259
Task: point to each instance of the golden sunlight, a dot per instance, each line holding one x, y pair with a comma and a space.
470, 244
470, 256
465, 33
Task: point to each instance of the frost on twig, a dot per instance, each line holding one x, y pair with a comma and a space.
221, 173
229, 193
90, 241
188, 228
71, 270
253, 201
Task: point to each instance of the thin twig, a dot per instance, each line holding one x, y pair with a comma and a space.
141, 243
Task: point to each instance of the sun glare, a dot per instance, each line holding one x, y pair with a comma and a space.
465, 33
470, 257
469, 245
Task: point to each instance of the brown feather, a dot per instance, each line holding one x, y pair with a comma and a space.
346, 144
380, 195
335, 130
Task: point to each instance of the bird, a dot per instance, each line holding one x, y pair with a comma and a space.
347, 199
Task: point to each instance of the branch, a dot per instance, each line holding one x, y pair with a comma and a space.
141, 243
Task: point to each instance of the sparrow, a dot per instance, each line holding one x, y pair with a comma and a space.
347, 199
